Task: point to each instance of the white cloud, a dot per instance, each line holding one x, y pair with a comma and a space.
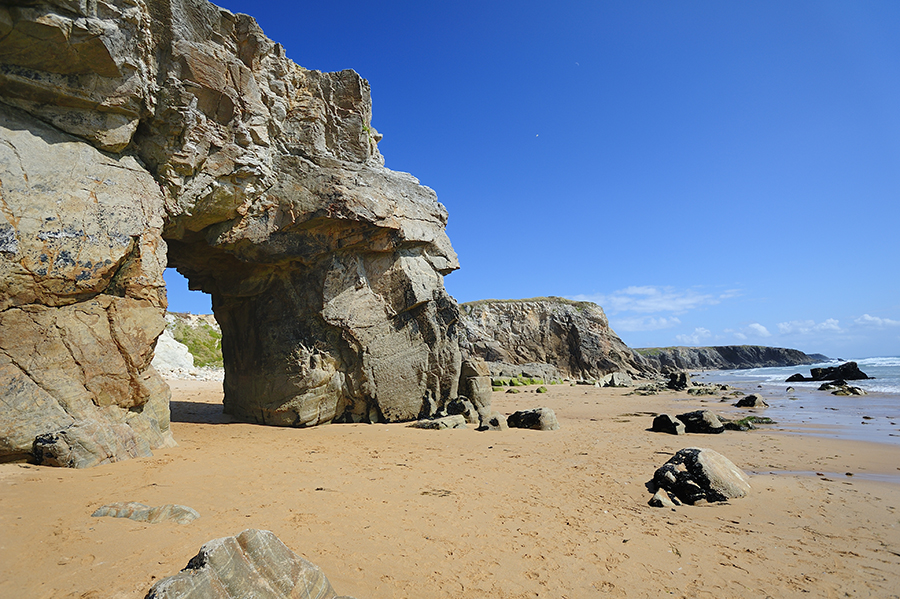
695, 338
647, 299
741, 336
874, 321
805, 327
759, 330
644, 323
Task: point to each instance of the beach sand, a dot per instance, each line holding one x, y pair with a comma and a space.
390, 511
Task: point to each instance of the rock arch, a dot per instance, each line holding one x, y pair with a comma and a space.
132, 134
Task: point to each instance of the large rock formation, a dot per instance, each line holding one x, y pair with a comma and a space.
135, 132
572, 336
725, 357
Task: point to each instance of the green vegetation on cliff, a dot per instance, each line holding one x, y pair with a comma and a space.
202, 340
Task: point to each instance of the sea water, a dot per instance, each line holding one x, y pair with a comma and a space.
871, 417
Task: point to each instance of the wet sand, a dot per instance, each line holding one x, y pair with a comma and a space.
390, 511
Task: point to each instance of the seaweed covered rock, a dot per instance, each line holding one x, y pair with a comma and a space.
696, 475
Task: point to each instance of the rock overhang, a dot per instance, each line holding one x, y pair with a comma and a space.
259, 180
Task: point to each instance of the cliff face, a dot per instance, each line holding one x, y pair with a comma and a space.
572, 336
132, 133
726, 357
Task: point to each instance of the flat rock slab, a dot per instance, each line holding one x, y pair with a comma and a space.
696, 475
253, 564
438, 424
132, 510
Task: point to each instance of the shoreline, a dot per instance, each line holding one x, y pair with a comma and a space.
388, 511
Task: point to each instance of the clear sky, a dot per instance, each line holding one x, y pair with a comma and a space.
709, 172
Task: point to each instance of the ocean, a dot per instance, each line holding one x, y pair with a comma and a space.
873, 417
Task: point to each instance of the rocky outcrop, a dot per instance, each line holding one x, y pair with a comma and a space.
574, 337
695, 475
848, 371
254, 563
725, 357
132, 133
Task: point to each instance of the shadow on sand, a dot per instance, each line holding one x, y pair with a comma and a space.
198, 413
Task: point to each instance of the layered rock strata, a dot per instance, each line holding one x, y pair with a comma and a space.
135, 132
573, 337
724, 357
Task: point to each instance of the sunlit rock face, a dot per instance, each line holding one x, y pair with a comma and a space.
132, 132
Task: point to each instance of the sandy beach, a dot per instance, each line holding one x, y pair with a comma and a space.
393, 512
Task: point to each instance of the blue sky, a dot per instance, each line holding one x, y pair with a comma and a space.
708, 172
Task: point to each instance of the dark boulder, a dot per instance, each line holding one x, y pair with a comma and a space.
679, 381
848, 371
666, 424
695, 475
541, 419
701, 421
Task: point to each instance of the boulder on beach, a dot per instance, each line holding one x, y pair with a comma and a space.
540, 419
666, 424
254, 563
679, 381
695, 475
701, 421
752, 401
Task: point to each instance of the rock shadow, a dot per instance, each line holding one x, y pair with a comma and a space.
199, 413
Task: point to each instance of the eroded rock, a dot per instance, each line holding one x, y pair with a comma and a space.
151, 131
254, 563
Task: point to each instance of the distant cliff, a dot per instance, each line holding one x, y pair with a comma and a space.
572, 336
724, 357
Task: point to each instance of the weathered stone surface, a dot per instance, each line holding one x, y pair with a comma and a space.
666, 424
752, 401
264, 178
696, 475
616, 379
701, 421
180, 514
443, 423
170, 354
254, 564
573, 337
540, 419
81, 296
493, 422
463, 407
